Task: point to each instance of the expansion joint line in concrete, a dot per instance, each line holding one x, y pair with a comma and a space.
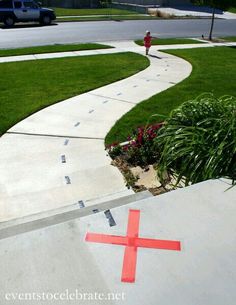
112, 98
52, 135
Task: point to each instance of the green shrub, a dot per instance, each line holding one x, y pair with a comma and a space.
198, 140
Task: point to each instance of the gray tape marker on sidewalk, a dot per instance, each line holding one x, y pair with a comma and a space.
63, 158
67, 180
110, 218
81, 204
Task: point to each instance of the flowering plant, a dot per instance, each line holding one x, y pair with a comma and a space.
139, 149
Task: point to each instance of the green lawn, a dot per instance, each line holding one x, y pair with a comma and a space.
232, 10
88, 12
29, 86
166, 41
52, 48
107, 17
213, 71
230, 38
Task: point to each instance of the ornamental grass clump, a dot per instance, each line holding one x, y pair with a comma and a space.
198, 140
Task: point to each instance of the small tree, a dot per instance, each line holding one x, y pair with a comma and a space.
215, 4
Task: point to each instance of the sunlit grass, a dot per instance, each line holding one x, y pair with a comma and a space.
52, 49
29, 86
213, 71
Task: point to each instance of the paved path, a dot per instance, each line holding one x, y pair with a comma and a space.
55, 258
56, 157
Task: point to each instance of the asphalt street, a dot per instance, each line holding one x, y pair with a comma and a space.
71, 32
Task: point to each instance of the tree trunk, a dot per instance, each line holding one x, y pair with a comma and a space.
212, 23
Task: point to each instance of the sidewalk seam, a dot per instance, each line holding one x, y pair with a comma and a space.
51, 135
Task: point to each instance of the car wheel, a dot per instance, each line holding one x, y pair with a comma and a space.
9, 21
46, 20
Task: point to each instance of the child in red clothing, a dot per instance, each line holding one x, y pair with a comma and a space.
147, 41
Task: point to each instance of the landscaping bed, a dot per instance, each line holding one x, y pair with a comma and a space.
196, 142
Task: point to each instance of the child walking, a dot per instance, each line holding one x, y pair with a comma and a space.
147, 41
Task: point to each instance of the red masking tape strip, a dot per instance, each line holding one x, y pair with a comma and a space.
133, 223
158, 244
130, 256
132, 241
106, 239
129, 265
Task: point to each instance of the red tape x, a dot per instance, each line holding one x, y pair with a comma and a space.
131, 242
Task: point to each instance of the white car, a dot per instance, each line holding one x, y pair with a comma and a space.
12, 11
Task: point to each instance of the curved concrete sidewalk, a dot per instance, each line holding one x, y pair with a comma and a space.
56, 157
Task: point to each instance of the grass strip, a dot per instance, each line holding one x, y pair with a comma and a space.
52, 49
88, 12
167, 41
232, 10
107, 17
230, 38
